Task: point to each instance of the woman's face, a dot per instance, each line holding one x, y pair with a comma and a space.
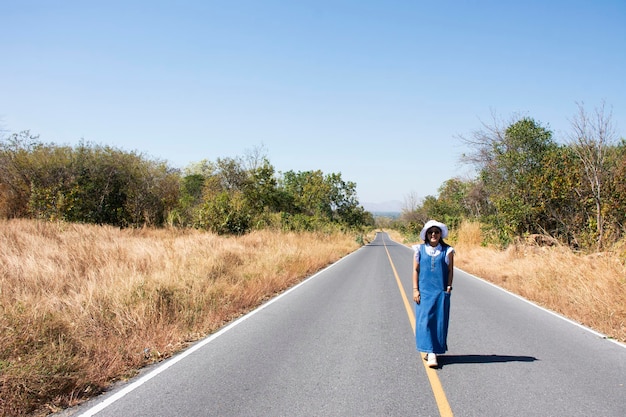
433, 236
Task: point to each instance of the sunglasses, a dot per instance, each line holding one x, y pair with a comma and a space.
433, 232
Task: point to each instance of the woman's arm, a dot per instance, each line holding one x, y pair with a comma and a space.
450, 270
416, 287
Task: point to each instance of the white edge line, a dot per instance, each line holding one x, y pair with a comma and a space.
554, 313
175, 359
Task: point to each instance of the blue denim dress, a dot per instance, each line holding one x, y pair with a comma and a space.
432, 314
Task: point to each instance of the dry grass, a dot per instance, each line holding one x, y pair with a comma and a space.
589, 289
81, 306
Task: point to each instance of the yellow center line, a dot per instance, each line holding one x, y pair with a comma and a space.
435, 383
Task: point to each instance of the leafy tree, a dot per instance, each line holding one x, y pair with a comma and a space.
344, 202
510, 163
261, 188
89, 183
527, 183
615, 220
49, 181
309, 192
456, 202
232, 174
327, 198
104, 185
558, 194
192, 186
16, 172
226, 213
152, 190
213, 196
99, 196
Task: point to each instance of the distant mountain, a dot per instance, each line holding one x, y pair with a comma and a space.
393, 206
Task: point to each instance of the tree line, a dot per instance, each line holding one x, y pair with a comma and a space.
98, 184
527, 184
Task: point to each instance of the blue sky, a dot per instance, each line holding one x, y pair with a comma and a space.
379, 91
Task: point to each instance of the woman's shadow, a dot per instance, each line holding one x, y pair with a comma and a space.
454, 359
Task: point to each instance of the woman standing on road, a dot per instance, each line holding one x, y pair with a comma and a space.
433, 270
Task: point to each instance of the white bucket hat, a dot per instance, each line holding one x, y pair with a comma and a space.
434, 223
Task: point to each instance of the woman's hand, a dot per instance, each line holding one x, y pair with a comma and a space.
416, 296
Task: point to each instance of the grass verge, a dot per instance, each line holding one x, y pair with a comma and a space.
587, 288
82, 306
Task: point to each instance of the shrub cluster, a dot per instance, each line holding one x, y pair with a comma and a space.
103, 185
529, 184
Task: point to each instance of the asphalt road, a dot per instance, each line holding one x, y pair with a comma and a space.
342, 344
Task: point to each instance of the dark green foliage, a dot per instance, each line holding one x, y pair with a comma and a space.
615, 203
528, 184
226, 213
104, 185
18, 168
325, 198
512, 176
89, 184
558, 190
261, 189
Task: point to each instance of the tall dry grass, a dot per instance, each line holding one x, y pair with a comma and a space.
587, 288
81, 305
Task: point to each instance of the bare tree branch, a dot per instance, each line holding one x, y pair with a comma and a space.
591, 137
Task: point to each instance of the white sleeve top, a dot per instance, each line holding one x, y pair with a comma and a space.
432, 251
